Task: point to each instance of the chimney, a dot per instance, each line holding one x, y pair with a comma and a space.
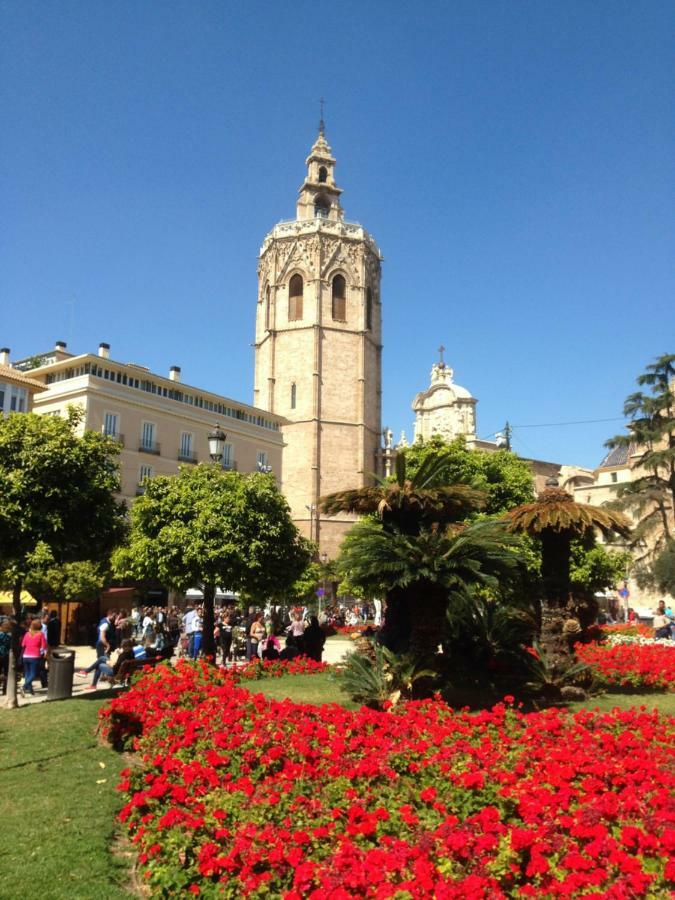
174, 373
104, 351
60, 345
4, 356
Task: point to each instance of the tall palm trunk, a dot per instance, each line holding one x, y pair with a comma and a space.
555, 572
11, 700
395, 633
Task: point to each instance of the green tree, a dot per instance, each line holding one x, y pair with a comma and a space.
663, 570
214, 527
555, 520
651, 439
58, 500
423, 574
505, 479
82, 580
597, 568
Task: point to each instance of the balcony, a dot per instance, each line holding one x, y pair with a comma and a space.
230, 465
140, 489
118, 438
149, 447
189, 457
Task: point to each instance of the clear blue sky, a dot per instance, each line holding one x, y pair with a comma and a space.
515, 162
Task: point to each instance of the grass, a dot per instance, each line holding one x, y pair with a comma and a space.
58, 804
322, 688
316, 689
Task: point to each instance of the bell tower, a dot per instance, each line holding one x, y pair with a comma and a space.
318, 348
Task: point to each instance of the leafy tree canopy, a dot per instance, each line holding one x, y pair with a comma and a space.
651, 438
664, 570
57, 493
504, 477
597, 568
219, 528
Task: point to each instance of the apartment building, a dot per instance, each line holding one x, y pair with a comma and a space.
16, 388
159, 422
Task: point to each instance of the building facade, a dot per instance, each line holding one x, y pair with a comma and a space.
445, 409
318, 348
159, 422
17, 389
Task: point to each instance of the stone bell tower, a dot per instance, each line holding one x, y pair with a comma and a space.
318, 348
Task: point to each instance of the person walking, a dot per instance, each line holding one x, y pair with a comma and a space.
5, 650
256, 634
34, 647
105, 641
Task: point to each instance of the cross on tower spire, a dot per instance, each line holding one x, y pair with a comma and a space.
441, 351
322, 125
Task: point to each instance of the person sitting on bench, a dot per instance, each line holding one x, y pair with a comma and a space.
101, 667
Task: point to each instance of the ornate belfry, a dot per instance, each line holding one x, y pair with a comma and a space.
318, 348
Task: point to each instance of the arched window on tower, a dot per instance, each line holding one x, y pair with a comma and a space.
295, 290
369, 309
323, 174
339, 296
294, 395
321, 207
268, 317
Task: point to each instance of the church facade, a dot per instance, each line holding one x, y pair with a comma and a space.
318, 349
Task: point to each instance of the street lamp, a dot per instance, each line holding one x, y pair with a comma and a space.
324, 560
217, 440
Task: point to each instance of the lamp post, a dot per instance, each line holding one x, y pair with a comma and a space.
216, 441
324, 560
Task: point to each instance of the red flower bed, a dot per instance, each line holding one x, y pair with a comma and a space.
630, 665
238, 795
634, 629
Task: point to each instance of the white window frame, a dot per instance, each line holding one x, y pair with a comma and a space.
153, 443
187, 442
145, 471
116, 417
228, 456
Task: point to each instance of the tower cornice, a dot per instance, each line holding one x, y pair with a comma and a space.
300, 227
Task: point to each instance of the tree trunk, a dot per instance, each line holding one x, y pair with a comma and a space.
555, 573
11, 700
429, 607
395, 634
208, 625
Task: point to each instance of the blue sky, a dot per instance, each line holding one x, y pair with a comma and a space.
515, 162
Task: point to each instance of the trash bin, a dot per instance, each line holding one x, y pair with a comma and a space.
61, 672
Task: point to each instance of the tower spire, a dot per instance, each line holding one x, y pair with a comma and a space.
322, 124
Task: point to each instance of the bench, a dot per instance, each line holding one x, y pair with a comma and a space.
131, 667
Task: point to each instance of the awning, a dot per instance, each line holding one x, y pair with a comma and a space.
27, 599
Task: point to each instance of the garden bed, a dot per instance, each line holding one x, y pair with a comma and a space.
242, 795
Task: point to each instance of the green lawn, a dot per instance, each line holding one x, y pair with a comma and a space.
58, 805
322, 688
318, 689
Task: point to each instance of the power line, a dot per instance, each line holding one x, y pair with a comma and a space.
578, 422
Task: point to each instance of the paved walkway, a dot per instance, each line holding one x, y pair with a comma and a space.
335, 650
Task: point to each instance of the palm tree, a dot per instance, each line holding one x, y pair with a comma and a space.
425, 572
409, 505
555, 519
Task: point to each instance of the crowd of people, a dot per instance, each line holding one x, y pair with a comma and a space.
39, 636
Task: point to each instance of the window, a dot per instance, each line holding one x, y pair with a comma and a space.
228, 460
295, 291
323, 174
369, 309
2, 398
185, 451
18, 399
148, 438
615, 477
144, 473
294, 395
339, 294
262, 460
321, 207
111, 424
267, 308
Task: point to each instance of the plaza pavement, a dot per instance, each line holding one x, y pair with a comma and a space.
335, 650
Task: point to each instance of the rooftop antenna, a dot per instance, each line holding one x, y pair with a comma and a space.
322, 124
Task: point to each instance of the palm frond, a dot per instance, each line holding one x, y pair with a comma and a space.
556, 510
